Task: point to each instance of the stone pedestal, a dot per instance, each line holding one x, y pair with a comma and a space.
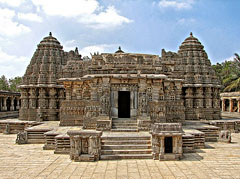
85, 145
225, 136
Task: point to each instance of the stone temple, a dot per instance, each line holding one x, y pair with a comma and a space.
121, 92
175, 87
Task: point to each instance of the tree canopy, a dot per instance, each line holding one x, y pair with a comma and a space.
11, 84
229, 74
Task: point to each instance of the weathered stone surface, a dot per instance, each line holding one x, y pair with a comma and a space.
85, 145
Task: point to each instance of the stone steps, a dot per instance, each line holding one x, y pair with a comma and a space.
125, 142
122, 146
125, 138
126, 156
124, 121
124, 130
125, 151
124, 125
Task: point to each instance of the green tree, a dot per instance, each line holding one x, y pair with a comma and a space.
232, 81
4, 85
14, 82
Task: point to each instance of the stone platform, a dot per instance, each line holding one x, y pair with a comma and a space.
217, 160
119, 145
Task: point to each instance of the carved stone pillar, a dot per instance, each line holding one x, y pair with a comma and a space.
52, 100
162, 148
5, 104
42, 98
155, 147
52, 114
32, 99
24, 98
61, 97
231, 105
12, 104
238, 105
223, 105
18, 105
1, 104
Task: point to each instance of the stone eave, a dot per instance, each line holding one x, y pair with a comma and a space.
9, 93
202, 85
119, 76
168, 133
130, 54
41, 86
230, 94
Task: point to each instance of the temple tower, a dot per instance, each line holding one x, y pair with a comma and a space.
201, 85
41, 94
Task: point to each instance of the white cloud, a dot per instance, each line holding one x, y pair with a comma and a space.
176, 4
69, 8
186, 21
88, 12
13, 3
30, 17
107, 19
228, 59
101, 48
12, 66
8, 26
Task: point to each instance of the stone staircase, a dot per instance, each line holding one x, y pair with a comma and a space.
128, 146
124, 125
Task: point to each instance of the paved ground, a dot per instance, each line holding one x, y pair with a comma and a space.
218, 160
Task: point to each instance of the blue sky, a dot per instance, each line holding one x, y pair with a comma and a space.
138, 26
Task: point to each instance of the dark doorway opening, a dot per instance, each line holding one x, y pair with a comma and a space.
227, 105
15, 104
124, 104
168, 145
8, 104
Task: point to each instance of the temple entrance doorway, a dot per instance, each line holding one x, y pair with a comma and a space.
168, 145
124, 104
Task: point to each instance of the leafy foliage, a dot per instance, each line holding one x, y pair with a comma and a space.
229, 74
11, 84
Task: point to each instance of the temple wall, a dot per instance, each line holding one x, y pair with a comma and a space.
41, 104
160, 99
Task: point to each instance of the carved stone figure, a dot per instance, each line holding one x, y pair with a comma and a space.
21, 138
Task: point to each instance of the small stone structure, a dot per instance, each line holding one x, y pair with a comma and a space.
225, 136
85, 145
230, 102
167, 141
9, 104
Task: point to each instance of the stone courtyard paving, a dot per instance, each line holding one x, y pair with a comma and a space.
218, 160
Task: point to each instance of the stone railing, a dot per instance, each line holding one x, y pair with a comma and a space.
85, 145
